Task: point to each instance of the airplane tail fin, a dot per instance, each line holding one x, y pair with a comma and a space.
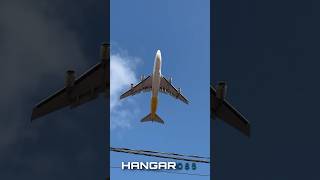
152, 117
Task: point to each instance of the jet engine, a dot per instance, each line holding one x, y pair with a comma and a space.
105, 51
221, 90
142, 78
170, 80
131, 86
179, 90
70, 78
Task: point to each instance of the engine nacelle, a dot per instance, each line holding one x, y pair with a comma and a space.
105, 51
131, 86
70, 78
179, 90
142, 77
170, 80
221, 90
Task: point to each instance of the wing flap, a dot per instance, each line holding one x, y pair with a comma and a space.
55, 102
143, 86
224, 111
86, 88
167, 88
233, 118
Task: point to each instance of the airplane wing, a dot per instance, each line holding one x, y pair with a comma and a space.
224, 111
145, 85
167, 88
87, 87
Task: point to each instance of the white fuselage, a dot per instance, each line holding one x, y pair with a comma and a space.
156, 74
156, 77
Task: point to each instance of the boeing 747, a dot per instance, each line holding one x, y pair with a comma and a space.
155, 83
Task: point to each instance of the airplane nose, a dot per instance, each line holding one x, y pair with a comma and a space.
158, 54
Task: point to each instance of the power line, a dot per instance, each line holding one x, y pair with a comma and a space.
174, 156
165, 153
168, 172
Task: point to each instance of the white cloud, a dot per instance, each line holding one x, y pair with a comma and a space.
122, 69
37, 45
33, 47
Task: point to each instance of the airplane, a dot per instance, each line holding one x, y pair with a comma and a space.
78, 91
222, 109
155, 83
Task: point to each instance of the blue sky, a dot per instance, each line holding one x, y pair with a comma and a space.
181, 31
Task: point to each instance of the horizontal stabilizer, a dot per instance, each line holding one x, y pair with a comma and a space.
152, 117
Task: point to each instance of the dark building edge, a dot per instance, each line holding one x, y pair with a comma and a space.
106, 38
212, 80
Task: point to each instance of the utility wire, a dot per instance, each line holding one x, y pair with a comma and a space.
169, 172
165, 153
161, 155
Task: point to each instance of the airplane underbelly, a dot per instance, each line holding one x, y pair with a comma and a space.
154, 104
155, 85
155, 90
